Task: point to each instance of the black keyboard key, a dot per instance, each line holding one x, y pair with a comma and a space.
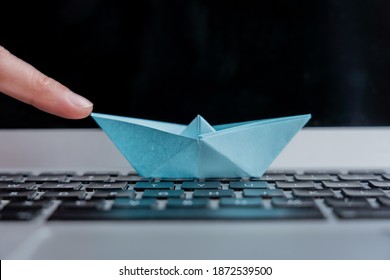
16, 186
315, 177
106, 186
347, 203
187, 203
292, 202
41, 179
358, 177
272, 178
295, 185
263, 193
201, 185
366, 171
177, 180
322, 172
213, 193
130, 179
73, 195
385, 201
11, 178
60, 186
380, 184
313, 193
154, 185
381, 213
248, 185
192, 214
113, 194
82, 204
17, 195
134, 203
163, 193
90, 178
363, 192
339, 185
240, 202
223, 180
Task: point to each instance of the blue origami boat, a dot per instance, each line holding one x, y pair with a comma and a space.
199, 150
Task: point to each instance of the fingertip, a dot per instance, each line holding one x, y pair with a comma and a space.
85, 112
82, 107
76, 113
79, 101
67, 105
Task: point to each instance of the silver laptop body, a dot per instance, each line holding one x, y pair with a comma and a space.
90, 150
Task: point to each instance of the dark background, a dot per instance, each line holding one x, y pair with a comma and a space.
226, 60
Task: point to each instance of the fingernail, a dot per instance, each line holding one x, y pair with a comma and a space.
79, 101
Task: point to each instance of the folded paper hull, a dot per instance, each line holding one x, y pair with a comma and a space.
199, 150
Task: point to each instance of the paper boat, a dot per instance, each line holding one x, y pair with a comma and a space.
199, 150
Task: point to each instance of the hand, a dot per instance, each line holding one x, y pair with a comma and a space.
22, 81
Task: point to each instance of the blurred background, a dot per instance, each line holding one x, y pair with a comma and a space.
229, 61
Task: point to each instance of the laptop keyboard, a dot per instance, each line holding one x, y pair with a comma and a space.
278, 195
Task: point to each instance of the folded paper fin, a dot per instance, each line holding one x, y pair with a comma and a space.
199, 150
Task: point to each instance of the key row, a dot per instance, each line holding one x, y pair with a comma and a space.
198, 203
343, 208
188, 186
270, 177
265, 193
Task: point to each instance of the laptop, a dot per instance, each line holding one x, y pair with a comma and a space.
68, 193
358, 231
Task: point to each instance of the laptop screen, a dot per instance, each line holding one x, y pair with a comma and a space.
228, 61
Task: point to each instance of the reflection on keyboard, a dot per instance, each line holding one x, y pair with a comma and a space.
278, 195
